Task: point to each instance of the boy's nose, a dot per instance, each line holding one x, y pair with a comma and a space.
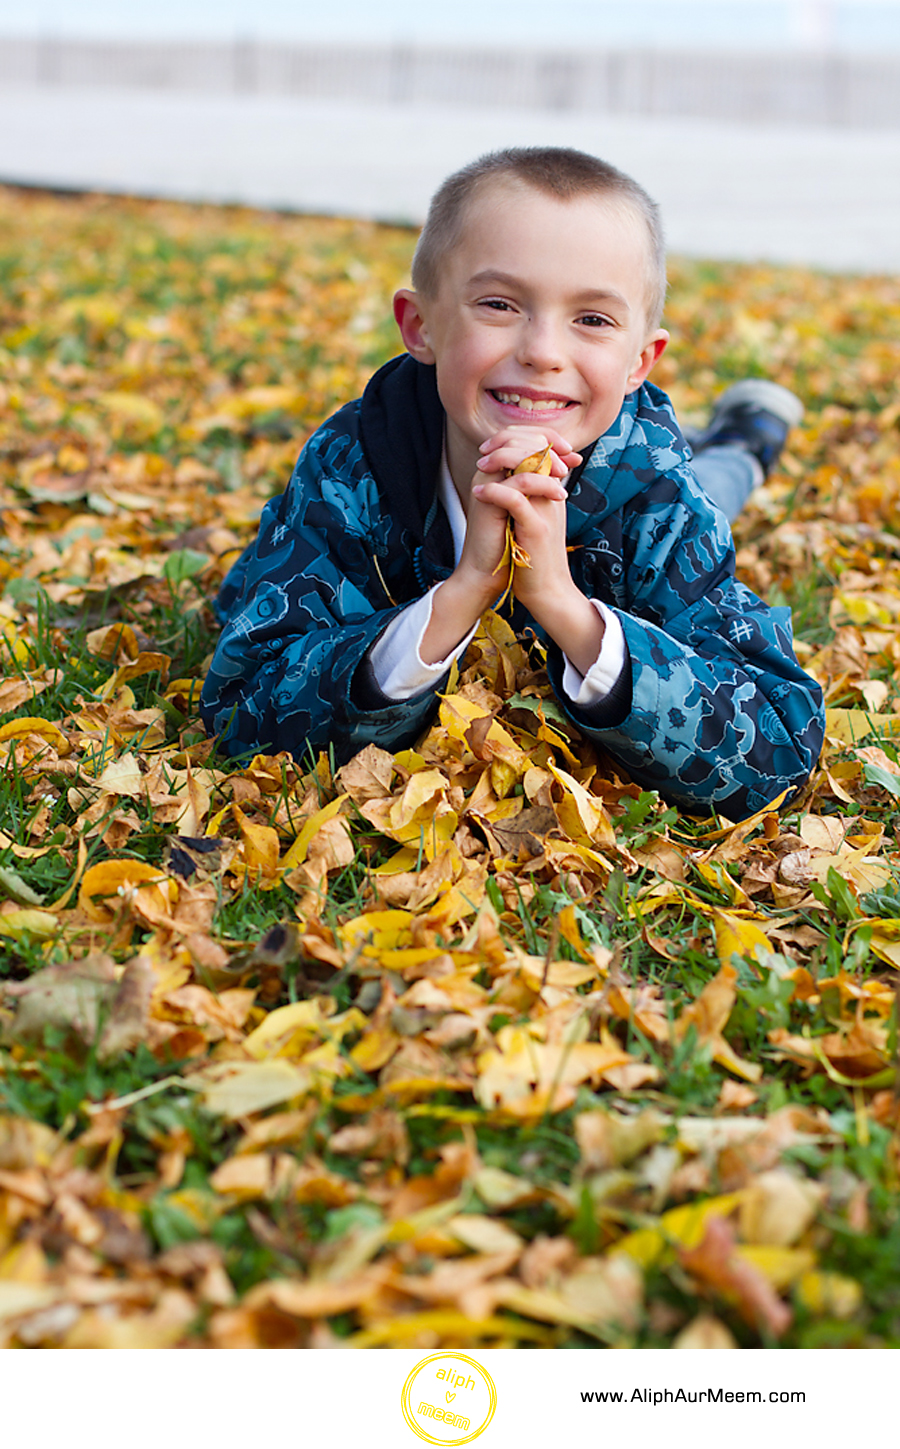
540, 346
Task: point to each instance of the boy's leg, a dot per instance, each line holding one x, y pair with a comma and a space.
743, 440
728, 476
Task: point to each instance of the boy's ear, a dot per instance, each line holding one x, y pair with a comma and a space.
410, 318
650, 354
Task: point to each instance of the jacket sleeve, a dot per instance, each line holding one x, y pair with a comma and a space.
720, 713
303, 606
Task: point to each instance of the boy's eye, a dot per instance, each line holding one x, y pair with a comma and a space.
593, 319
496, 303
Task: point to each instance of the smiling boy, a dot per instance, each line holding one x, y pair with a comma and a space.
534, 321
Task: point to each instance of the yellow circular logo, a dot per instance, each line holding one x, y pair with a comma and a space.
448, 1398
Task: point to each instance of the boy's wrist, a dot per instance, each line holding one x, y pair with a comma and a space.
572, 622
457, 606
472, 591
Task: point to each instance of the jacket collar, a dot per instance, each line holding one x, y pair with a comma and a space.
401, 425
402, 430
643, 442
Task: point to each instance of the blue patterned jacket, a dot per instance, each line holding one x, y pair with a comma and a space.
713, 709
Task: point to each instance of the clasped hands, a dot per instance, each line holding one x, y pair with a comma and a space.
537, 505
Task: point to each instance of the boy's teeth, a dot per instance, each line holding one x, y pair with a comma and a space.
529, 404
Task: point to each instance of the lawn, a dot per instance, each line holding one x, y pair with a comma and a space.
475, 1045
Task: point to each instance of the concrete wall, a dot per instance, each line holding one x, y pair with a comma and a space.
787, 87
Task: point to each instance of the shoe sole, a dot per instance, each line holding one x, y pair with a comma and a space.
758, 392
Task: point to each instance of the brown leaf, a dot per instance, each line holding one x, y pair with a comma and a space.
714, 1263
127, 1023
709, 1014
523, 834
75, 997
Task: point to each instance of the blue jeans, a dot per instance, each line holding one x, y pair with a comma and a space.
727, 475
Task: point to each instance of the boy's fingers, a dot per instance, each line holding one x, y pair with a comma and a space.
533, 439
538, 485
505, 460
512, 497
529, 485
532, 484
508, 449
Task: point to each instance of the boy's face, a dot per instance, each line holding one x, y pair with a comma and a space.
539, 318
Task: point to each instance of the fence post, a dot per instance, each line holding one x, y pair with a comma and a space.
244, 64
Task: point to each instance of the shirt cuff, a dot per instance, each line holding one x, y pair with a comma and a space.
396, 659
585, 690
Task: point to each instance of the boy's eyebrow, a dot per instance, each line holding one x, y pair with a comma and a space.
591, 294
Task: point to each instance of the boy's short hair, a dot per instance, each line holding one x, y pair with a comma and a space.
558, 171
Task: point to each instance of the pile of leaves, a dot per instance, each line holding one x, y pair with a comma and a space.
474, 1045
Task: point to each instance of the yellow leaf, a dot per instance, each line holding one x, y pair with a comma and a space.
133, 412
113, 641
501, 634
855, 866
17, 1299
541, 462
214, 824
418, 794
15, 645
253, 1086
528, 1078
886, 948
286, 1030
187, 689
375, 1049
709, 1015
850, 725
864, 610
296, 854
27, 922
684, 1225
260, 845
603, 1296
483, 1234
122, 777
24, 852
781, 1266
247, 1177
147, 662
117, 878
778, 1208
560, 974
745, 825
457, 713
646, 1246
581, 814
103, 309
276, 397
737, 936
829, 1294
411, 761
406, 858
377, 931
17, 729
441, 1325
715, 874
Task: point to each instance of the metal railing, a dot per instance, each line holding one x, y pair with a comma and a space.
828, 89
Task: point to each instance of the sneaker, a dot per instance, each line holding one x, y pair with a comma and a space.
754, 414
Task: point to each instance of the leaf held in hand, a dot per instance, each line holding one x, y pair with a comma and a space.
514, 555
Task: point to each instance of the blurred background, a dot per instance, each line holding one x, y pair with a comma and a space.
766, 129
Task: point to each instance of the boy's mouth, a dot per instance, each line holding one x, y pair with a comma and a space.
531, 402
